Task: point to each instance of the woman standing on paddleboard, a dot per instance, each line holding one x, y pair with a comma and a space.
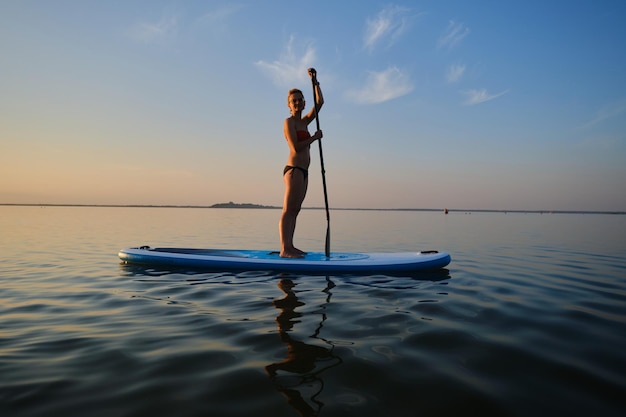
295, 174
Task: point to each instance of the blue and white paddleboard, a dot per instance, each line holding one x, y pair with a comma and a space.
254, 260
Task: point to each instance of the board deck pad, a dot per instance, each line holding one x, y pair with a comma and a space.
261, 254
232, 259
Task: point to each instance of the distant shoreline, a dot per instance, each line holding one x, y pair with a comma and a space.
232, 205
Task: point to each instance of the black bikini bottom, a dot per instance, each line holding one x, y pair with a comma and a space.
289, 168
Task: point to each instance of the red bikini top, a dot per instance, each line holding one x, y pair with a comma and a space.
303, 135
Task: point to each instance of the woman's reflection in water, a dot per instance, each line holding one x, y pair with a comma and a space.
305, 362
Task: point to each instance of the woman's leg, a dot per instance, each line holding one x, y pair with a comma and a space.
295, 191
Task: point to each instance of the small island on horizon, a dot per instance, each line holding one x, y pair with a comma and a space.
231, 204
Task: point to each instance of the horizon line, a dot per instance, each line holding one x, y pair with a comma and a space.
263, 207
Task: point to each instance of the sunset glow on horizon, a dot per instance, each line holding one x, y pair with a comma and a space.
517, 106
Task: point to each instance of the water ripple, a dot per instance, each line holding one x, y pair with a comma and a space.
529, 319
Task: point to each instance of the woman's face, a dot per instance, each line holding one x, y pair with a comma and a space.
296, 102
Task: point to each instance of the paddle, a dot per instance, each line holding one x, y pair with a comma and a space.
313, 75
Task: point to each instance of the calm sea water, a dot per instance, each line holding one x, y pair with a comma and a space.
529, 319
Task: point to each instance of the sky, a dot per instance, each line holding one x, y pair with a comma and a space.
497, 105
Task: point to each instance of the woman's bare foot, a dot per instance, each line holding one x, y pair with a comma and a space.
292, 254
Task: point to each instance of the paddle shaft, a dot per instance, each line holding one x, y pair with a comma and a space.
317, 121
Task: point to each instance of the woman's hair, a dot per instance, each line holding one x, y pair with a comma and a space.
294, 91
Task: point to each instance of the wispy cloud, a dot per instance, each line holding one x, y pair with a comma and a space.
605, 113
382, 86
290, 69
454, 34
218, 18
480, 96
390, 23
173, 24
603, 142
162, 31
455, 73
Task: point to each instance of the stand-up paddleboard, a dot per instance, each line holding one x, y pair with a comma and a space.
254, 260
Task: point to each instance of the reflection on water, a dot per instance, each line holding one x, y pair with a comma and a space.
528, 320
299, 375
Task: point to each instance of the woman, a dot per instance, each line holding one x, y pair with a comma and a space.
296, 172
